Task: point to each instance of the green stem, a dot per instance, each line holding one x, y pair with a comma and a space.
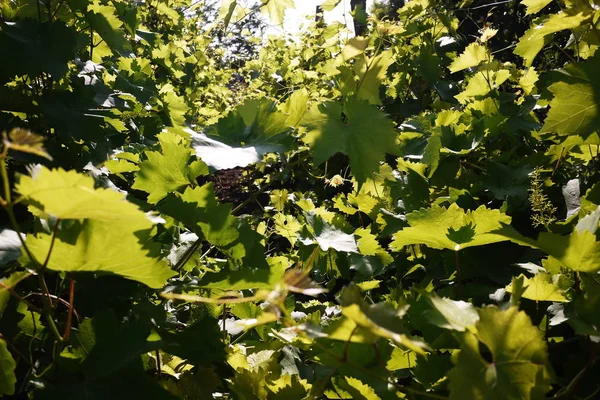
47, 303
187, 255
9, 209
47, 310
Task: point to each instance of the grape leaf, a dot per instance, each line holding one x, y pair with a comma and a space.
226, 12
8, 284
451, 228
579, 251
7, 370
519, 368
287, 226
360, 391
174, 105
356, 129
379, 319
103, 19
382, 320
295, 107
122, 247
253, 129
534, 39
473, 55
120, 166
354, 46
535, 6
71, 195
450, 314
364, 78
275, 9
574, 110
327, 236
329, 5
247, 278
541, 288
199, 210
166, 171
45, 47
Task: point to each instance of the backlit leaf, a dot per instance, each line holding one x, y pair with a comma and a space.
535, 38
275, 9
166, 171
7, 370
473, 55
541, 288
451, 228
356, 129
121, 247
534, 6
517, 368
71, 195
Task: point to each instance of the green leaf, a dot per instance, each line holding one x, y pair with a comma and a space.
579, 251
275, 9
328, 237
166, 171
8, 379
366, 75
104, 20
226, 12
541, 288
451, 228
431, 153
36, 47
473, 55
535, 38
71, 195
574, 109
7, 285
287, 226
329, 5
535, 6
517, 367
450, 314
114, 344
379, 319
359, 390
122, 247
354, 47
356, 129
120, 166
174, 105
295, 107
370, 247
401, 359
253, 129
199, 210
247, 278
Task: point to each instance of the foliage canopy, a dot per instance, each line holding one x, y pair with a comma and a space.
192, 211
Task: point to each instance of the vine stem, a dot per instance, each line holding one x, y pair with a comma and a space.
47, 303
188, 254
46, 300
158, 366
457, 264
70, 313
